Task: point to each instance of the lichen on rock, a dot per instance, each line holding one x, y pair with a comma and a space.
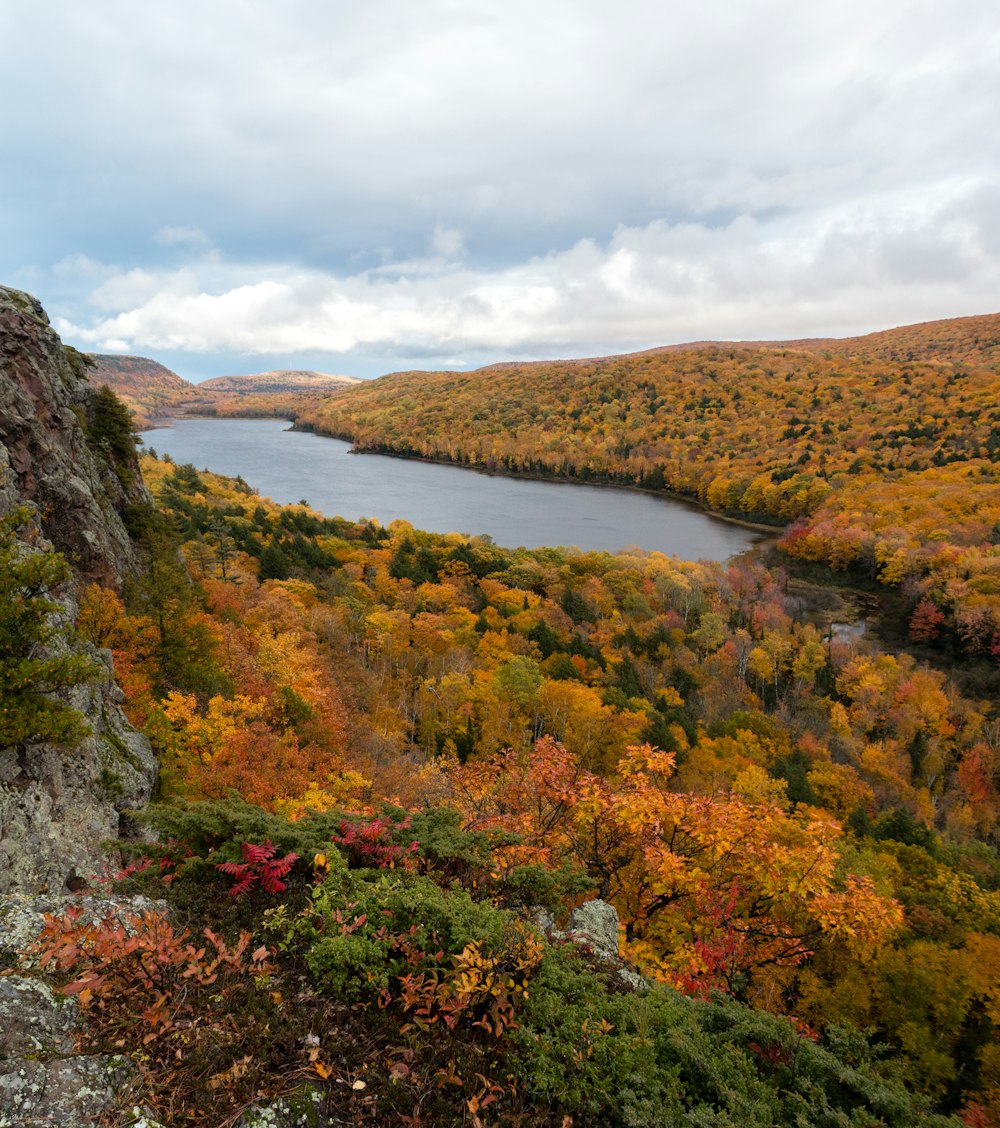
45, 1082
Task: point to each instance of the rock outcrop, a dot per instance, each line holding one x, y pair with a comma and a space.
59, 808
46, 1081
57, 805
45, 455
594, 926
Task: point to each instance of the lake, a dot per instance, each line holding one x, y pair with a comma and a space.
289, 466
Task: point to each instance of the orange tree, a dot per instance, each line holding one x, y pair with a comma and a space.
709, 888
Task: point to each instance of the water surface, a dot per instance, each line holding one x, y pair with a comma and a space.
289, 466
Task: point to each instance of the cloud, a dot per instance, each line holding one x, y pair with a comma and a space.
851, 268
448, 242
508, 122
182, 237
498, 176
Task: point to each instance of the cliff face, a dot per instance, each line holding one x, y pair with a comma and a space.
58, 805
44, 404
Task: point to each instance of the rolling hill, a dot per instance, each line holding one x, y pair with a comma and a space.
884, 450
151, 390
279, 381
136, 375
974, 340
758, 428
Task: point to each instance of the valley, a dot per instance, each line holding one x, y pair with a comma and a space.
500, 565
398, 766
287, 465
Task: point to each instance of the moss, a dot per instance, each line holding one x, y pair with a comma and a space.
78, 363
120, 748
110, 783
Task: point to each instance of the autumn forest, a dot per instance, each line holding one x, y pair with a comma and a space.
392, 762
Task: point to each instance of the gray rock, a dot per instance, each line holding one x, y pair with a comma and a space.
48, 460
33, 1019
633, 979
303, 1111
59, 807
595, 923
42, 1080
63, 1093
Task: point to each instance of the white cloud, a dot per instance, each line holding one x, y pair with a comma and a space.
447, 242
854, 268
182, 237
529, 176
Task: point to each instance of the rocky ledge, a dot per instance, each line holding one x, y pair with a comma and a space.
60, 805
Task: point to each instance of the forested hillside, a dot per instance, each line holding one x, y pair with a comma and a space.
973, 340
280, 394
282, 380
149, 389
439, 733
888, 462
135, 375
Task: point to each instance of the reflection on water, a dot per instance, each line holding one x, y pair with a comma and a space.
289, 466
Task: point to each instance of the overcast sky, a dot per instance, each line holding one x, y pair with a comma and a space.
233, 185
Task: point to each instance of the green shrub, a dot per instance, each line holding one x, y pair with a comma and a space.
32, 668
660, 1058
538, 886
366, 928
214, 830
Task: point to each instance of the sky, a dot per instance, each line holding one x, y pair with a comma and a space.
229, 186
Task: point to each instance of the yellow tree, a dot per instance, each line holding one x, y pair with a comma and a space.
709, 888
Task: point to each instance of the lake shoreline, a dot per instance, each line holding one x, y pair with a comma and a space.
772, 532
437, 495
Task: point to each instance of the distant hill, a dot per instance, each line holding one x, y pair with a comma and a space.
279, 381
753, 428
974, 341
135, 375
149, 388
152, 391
968, 340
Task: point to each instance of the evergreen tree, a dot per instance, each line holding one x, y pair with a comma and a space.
29, 672
274, 562
111, 426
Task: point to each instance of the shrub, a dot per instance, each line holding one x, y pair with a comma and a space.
32, 668
660, 1058
400, 922
260, 868
216, 829
138, 970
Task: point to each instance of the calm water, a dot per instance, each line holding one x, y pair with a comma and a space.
288, 466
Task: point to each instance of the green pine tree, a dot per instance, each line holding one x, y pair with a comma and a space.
29, 672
